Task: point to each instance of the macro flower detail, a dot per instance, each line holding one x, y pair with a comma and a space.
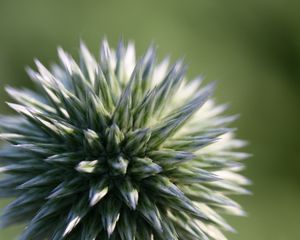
119, 149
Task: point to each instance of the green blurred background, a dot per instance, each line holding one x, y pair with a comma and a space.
251, 47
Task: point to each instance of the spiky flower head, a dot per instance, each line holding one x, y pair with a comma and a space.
119, 149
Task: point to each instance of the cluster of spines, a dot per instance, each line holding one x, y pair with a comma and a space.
119, 150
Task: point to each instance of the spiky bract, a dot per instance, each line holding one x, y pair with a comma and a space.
118, 149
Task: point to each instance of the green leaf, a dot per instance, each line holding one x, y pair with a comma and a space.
110, 214
177, 118
127, 225
68, 187
150, 212
98, 190
129, 194
118, 165
136, 141
114, 138
78, 211
168, 158
144, 167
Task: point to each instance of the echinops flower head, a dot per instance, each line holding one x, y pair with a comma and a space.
120, 149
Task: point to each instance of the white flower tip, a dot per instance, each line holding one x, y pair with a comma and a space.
86, 166
72, 224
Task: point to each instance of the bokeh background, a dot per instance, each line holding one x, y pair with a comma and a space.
251, 47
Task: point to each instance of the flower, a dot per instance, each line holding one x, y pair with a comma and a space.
119, 149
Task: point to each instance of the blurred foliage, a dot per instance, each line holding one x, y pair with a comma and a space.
251, 47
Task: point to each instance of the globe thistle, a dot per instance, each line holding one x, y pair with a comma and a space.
119, 149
